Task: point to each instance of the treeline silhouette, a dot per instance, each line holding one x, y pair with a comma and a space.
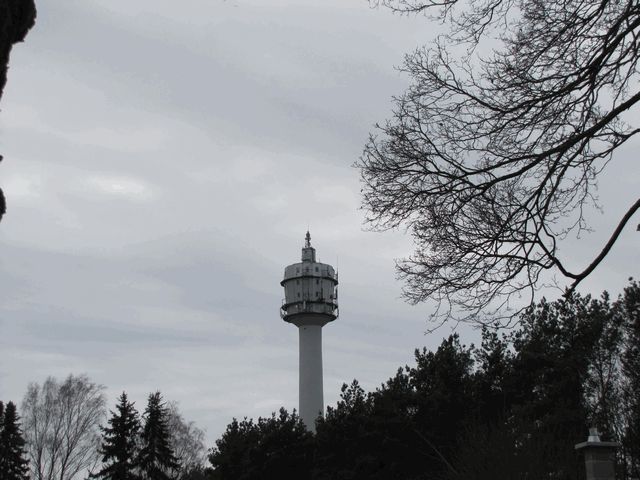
511, 408
64, 436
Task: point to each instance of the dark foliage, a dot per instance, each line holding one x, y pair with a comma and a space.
406, 428
276, 447
3, 203
629, 311
13, 462
119, 447
512, 408
156, 459
491, 162
351, 442
197, 473
16, 18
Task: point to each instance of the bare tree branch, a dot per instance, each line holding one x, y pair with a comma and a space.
61, 427
491, 162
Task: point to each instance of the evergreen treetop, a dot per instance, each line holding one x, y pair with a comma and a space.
156, 459
13, 465
119, 447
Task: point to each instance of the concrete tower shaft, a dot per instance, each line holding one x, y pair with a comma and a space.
311, 301
310, 384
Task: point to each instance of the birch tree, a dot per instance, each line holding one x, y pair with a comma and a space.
61, 422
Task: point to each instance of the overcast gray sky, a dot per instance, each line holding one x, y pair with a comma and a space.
163, 160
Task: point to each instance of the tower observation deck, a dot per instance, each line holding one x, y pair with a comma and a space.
311, 301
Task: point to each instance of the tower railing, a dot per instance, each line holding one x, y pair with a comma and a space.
322, 307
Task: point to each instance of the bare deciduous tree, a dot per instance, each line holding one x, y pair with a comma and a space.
187, 441
61, 426
492, 160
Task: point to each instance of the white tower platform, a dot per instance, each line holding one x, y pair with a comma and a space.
311, 301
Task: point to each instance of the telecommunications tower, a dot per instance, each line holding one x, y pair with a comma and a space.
311, 301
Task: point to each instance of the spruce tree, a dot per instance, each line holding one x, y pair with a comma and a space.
119, 443
13, 465
157, 459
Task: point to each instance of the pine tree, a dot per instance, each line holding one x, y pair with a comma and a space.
157, 459
119, 443
13, 465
